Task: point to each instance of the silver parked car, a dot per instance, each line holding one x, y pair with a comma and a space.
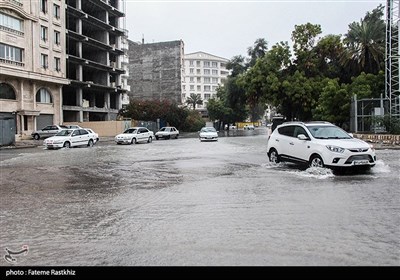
167, 132
47, 131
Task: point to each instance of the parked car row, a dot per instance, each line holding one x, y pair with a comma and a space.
61, 136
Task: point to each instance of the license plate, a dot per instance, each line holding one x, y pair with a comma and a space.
361, 162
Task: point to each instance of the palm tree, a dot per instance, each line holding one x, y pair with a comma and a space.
194, 99
258, 50
365, 44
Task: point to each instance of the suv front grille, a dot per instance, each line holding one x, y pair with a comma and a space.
363, 150
359, 157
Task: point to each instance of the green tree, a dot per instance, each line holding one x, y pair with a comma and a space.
257, 50
193, 100
368, 85
365, 44
237, 65
334, 103
304, 39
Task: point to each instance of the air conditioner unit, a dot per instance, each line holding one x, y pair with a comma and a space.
90, 82
113, 64
113, 84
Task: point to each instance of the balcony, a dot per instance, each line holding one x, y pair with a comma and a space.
12, 62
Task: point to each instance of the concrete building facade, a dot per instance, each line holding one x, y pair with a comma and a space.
94, 60
32, 65
156, 70
204, 72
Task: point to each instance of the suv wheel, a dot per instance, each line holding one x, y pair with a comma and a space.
36, 136
273, 156
316, 161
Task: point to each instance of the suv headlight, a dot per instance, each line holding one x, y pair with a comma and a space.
335, 149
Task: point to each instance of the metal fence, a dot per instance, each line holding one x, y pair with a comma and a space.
366, 114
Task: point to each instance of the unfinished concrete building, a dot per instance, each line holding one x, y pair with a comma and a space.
155, 70
94, 60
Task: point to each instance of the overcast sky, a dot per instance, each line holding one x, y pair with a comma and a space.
228, 28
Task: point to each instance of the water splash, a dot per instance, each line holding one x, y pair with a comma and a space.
380, 167
316, 172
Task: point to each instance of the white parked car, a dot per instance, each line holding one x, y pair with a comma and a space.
208, 134
167, 132
68, 138
135, 135
318, 144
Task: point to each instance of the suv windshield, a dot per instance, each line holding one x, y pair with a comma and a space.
327, 132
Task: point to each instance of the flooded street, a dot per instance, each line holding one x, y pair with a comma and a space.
182, 202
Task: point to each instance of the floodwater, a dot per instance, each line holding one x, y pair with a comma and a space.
182, 202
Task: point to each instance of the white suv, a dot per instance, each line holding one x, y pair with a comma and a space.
318, 144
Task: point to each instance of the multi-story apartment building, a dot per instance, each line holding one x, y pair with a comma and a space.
155, 70
94, 60
32, 65
203, 74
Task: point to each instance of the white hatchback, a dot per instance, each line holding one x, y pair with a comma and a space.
318, 144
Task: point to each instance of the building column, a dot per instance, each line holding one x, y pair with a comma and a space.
79, 101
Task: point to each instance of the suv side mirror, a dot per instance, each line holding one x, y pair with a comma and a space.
351, 135
302, 137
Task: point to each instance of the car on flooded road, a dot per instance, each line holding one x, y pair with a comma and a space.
68, 138
134, 135
167, 132
208, 134
319, 144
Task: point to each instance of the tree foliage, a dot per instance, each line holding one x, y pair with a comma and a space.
317, 81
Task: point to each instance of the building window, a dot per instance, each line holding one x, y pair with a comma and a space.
43, 6
7, 92
206, 71
43, 33
9, 22
198, 71
57, 64
44, 61
199, 79
191, 63
198, 88
57, 38
198, 63
207, 88
10, 53
192, 87
43, 96
215, 72
56, 11
215, 80
207, 96
206, 80
192, 79
206, 64
214, 64
191, 71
